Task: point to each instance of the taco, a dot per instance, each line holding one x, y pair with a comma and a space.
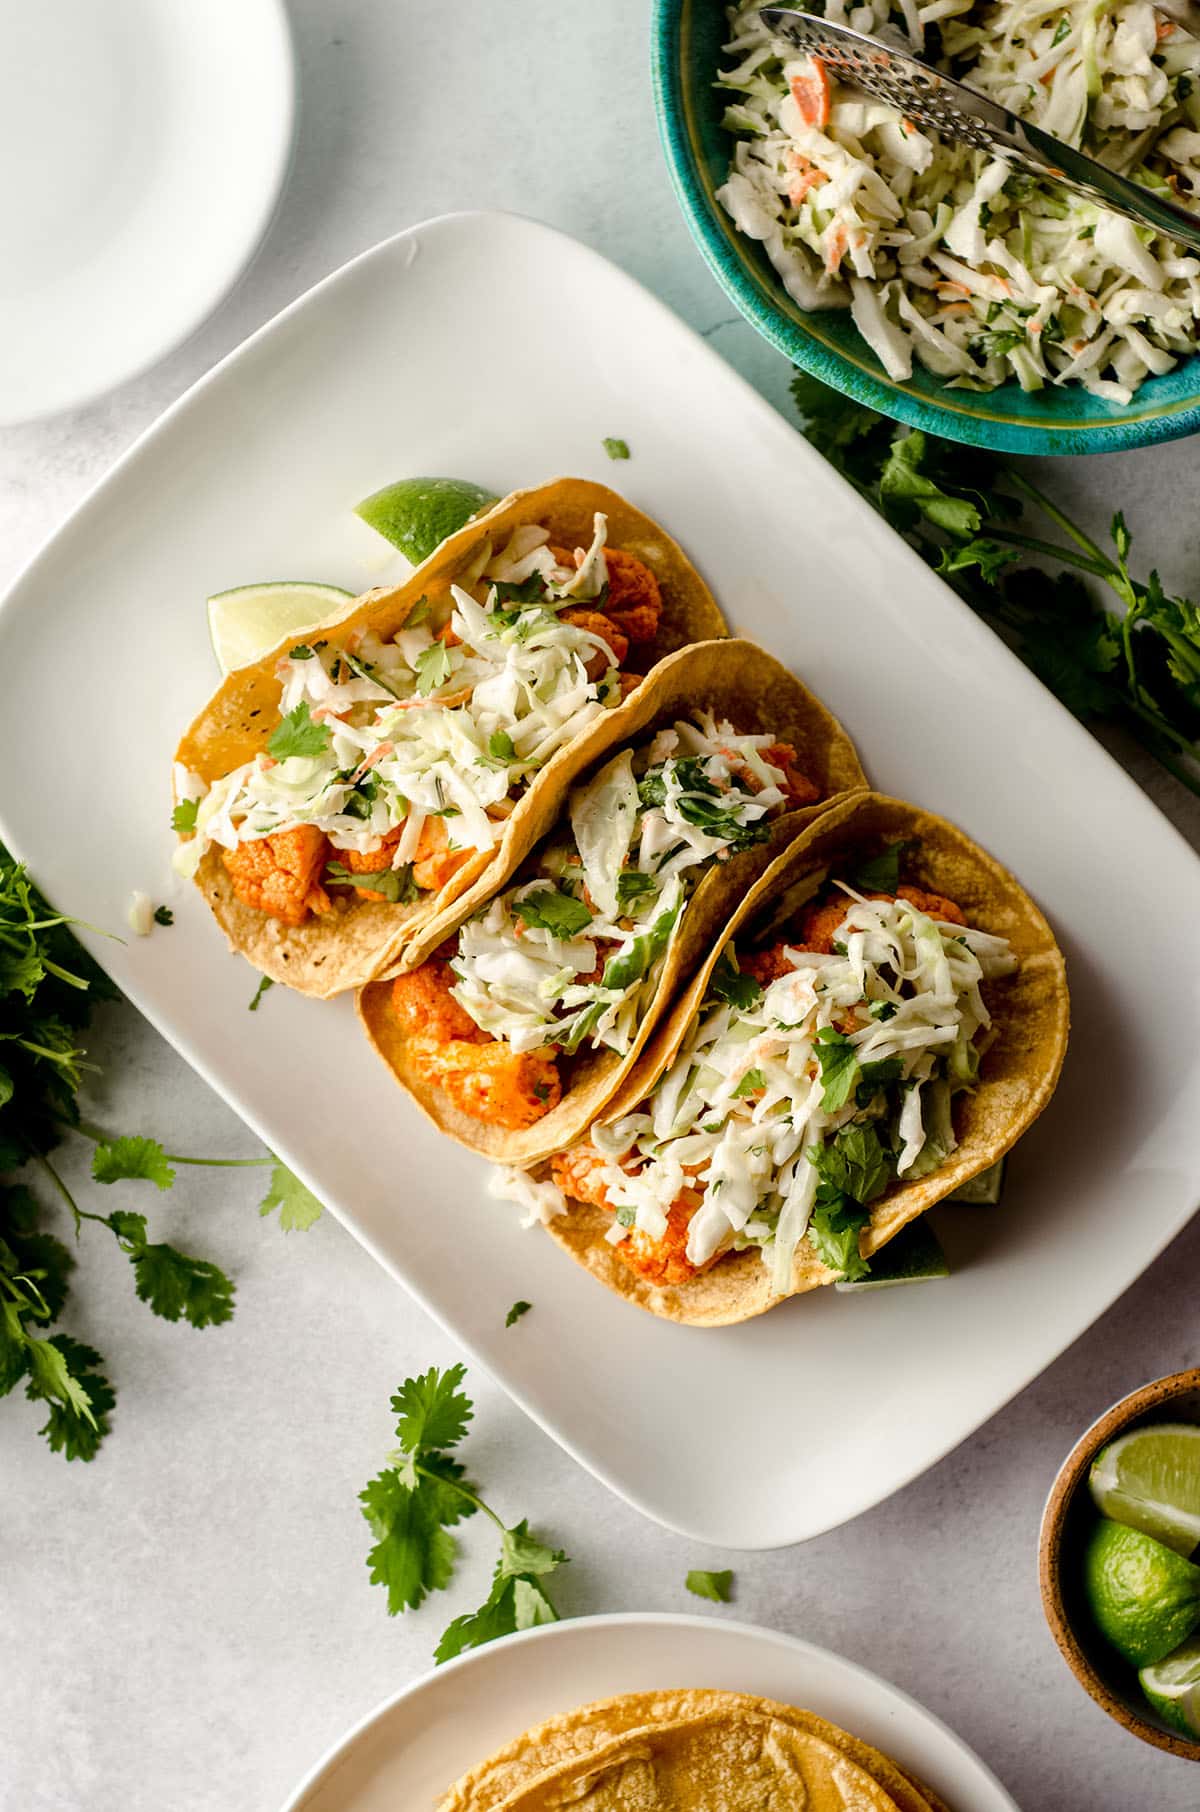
573, 1736
518, 1028
882, 1018
693, 1750
335, 794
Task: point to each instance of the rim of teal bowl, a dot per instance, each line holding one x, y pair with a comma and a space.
766, 305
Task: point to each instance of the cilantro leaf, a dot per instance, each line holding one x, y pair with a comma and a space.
717, 1586
172, 1283
395, 884
298, 1206
432, 668
516, 1600
433, 1411
632, 884
500, 746
132, 1159
853, 1163
876, 1076
413, 1555
839, 1068
880, 873
902, 478
729, 984
265, 982
14, 1348
833, 1234
76, 1426
163, 915
499, 1615
521, 1554
183, 818
515, 1313
616, 449
297, 734
750, 1083
54, 1377
301, 652
561, 914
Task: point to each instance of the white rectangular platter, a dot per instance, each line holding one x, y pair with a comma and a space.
495, 349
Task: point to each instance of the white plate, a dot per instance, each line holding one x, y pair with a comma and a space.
499, 350
408, 1751
143, 145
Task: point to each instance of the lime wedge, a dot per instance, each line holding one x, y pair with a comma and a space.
250, 619
417, 514
914, 1256
983, 1188
1150, 1479
1145, 1598
1173, 1688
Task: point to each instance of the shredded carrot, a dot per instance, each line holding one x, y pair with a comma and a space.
811, 94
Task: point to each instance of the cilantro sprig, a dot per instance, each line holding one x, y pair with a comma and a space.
717, 1586
48, 988
1019, 560
412, 1505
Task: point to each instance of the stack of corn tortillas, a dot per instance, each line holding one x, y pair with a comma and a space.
689, 1751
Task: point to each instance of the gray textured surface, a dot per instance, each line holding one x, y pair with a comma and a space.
188, 1622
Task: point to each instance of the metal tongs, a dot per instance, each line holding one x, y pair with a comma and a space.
955, 111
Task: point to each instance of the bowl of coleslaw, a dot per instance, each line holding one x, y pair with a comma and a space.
928, 280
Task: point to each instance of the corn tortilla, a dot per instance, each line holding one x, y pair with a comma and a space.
575, 1735
737, 680
335, 951
1019, 1072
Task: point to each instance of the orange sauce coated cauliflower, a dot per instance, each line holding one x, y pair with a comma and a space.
493, 1083
595, 623
634, 600
482, 1076
435, 863
370, 863
820, 920
281, 874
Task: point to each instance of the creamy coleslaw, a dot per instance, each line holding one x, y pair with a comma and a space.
446, 720
946, 256
573, 952
793, 1105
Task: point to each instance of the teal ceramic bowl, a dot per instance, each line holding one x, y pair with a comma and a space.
687, 38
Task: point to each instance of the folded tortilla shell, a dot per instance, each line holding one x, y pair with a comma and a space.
335, 951
1018, 1075
739, 681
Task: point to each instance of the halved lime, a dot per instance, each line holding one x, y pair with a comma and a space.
914, 1256
1173, 1688
1145, 1598
250, 619
1150, 1479
417, 514
984, 1187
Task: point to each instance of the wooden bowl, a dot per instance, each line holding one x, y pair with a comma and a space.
1066, 1524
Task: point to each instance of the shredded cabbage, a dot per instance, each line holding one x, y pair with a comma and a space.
421, 726
951, 258
745, 1108
571, 954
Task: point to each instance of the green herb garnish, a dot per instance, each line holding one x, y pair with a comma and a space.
548, 909
717, 1586
297, 734
412, 1505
